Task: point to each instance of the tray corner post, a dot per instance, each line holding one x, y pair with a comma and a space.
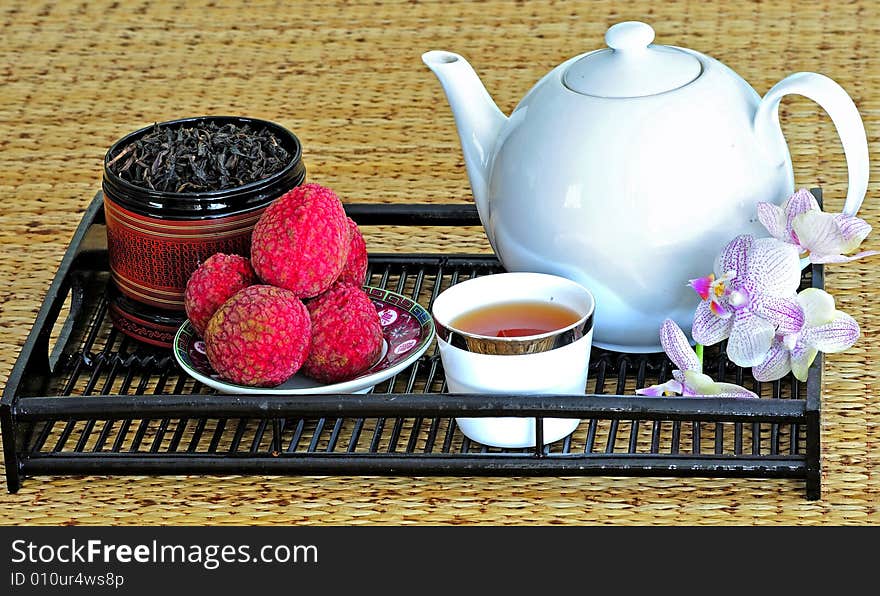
814, 461
10, 456
813, 415
813, 412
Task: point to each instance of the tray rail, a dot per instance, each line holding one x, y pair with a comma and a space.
85, 399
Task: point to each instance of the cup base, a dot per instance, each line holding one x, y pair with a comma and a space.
514, 433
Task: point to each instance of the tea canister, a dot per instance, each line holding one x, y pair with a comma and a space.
156, 239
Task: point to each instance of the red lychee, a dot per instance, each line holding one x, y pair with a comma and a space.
301, 241
355, 269
259, 337
212, 284
346, 334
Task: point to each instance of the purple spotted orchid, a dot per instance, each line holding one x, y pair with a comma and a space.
750, 298
688, 379
824, 237
825, 329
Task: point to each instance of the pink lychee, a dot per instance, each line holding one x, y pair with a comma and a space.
212, 284
259, 337
346, 334
301, 241
355, 269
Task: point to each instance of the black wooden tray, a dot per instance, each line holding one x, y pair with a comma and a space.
84, 399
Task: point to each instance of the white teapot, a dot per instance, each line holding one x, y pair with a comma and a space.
627, 169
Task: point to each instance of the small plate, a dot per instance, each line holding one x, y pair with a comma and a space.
407, 331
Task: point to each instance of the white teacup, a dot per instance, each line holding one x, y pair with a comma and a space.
555, 362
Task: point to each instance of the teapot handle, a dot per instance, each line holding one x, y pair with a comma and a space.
844, 114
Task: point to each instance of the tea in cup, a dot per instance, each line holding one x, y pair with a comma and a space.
515, 333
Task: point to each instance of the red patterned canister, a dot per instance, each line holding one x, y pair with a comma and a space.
156, 239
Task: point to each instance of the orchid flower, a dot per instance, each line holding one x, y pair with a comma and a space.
825, 329
750, 298
827, 237
688, 379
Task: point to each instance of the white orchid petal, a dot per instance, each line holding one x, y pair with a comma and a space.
709, 328
864, 253
750, 339
669, 387
774, 269
852, 229
652, 391
800, 202
676, 346
774, 220
838, 335
818, 232
731, 390
678, 375
784, 313
801, 359
823, 259
734, 256
776, 364
818, 306
699, 384
818, 259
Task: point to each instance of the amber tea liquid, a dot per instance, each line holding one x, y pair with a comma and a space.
516, 319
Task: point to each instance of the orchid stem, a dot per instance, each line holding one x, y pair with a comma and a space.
698, 348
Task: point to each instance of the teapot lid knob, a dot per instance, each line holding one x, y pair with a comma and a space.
631, 65
629, 35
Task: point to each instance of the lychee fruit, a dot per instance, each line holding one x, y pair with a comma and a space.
259, 337
212, 284
355, 269
301, 241
346, 334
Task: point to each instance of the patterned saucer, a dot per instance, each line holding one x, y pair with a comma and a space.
407, 330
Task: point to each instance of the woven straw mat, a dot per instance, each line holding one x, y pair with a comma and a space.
348, 79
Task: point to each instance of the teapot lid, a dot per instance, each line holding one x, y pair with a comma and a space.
631, 66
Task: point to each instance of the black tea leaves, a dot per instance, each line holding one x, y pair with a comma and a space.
202, 157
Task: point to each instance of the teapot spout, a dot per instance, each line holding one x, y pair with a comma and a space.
477, 118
